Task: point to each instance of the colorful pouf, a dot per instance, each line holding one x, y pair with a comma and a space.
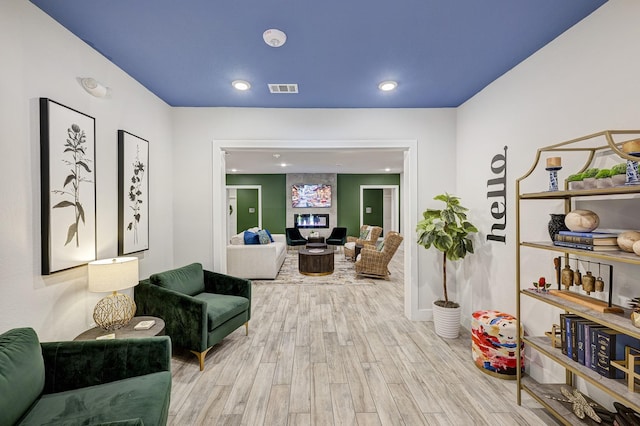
494, 344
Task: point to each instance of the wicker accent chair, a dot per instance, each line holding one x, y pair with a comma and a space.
374, 261
367, 239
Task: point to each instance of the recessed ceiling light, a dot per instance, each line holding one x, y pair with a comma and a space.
234, 170
387, 169
388, 85
276, 155
283, 165
241, 85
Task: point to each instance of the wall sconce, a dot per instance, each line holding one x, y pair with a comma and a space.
93, 87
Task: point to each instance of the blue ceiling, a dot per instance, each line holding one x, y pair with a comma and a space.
441, 52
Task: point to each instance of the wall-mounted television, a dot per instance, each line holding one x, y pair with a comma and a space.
311, 195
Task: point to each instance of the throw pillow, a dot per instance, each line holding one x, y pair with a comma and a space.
380, 245
270, 236
263, 237
251, 238
237, 240
364, 235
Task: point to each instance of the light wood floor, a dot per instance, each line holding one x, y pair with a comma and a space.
341, 355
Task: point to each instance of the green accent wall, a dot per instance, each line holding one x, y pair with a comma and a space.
372, 198
274, 198
349, 197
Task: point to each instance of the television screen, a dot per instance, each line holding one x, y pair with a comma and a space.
311, 195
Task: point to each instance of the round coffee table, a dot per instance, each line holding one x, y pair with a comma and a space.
315, 261
316, 245
127, 331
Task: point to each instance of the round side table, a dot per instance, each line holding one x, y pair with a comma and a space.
127, 331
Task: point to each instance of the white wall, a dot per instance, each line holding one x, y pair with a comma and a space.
42, 59
195, 129
585, 81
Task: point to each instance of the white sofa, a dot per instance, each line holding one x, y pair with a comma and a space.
256, 261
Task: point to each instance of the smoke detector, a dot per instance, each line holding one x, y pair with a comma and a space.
274, 37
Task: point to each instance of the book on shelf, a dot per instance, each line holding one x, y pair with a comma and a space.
581, 339
565, 333
604, 241
590, 348
577, 338
592, 234
611, 346
588, 247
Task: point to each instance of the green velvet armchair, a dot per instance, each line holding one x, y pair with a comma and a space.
115, 382
199, 307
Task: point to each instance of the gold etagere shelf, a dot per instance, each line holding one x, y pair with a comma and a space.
590, 145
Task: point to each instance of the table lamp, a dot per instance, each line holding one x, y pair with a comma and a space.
110, 275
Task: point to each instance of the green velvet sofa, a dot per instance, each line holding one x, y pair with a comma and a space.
199, 307
93, 382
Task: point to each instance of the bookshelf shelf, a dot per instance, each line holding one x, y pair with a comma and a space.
592, 147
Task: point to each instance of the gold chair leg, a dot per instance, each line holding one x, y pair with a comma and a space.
201, 356
246, 326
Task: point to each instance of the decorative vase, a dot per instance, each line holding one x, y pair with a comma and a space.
556, 224
446, 321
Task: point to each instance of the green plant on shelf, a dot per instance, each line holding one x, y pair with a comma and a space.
619, 169
578, 177
590, 173
603, 174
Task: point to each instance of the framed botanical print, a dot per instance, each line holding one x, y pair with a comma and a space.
133, 193
68, 187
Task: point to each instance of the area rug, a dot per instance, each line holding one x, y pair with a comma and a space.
344, 273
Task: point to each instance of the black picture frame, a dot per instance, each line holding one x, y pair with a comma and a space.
133, 193
67, 187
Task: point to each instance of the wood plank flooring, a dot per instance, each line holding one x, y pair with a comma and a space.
341, 355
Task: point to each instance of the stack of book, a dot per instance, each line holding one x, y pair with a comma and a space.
594, 345
592, 241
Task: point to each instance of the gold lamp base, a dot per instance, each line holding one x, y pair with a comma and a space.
114, 311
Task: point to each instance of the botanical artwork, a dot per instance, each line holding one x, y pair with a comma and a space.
68, 194
133, 210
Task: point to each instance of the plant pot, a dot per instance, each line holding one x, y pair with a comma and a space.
589, 183
619, 180
578, 184
446, 321
604, 183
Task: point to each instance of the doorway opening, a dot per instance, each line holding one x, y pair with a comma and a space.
245, 208
408, 201
379, 206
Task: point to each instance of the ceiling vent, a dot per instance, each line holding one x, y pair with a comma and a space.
283, 88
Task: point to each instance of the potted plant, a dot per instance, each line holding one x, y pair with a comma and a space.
575, 181
448, 231
589, 177
603, 179
619, 174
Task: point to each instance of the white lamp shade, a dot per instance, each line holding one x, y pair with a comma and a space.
115, 274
